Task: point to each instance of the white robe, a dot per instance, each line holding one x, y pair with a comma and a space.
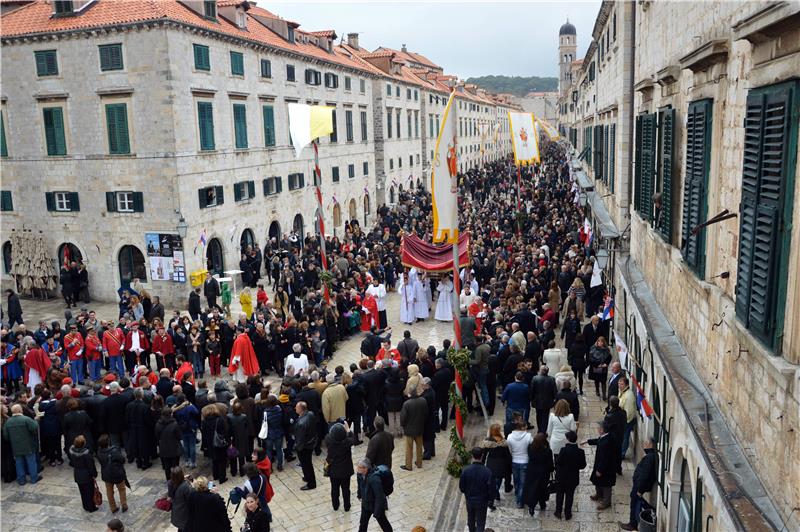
426, 285
379, 293
465, 300
444, 305
421, 308
406, 302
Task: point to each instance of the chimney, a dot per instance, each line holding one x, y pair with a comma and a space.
403, 48
352, 40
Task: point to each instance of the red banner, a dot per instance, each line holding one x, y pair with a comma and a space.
416, 253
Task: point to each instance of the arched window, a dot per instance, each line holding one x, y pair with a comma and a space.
71, 251
391, 195
366, 209
275, 231
353, 210
131, 265
247, 240
298, 226
337, 216
215, 260
685, 500
7, 257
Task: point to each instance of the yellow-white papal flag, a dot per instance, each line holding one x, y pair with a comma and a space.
550, 131
524, 138
444, 179
308, 122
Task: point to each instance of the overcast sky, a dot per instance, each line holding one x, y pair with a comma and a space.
466, 38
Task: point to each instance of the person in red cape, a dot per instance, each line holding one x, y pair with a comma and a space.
388, 352
476, 311
369, 316
36, 365
243, 358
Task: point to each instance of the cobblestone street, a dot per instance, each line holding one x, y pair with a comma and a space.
419, 496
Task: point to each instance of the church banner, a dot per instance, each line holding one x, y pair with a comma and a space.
444, 174
524, 138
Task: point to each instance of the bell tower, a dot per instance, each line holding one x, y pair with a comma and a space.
567, 47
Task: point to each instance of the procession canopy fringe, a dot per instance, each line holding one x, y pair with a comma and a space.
416, 253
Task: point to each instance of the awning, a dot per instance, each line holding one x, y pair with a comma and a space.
601, 216
583, 180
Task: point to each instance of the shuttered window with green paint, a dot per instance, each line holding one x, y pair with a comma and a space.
3, 145
54, 131
647, 154
664, 220
46, 63
695, 184
117, 127
111, 57
637, 165
205, 119
237, 64
269, 125
202, 60
613, 156
765, 212
240, 125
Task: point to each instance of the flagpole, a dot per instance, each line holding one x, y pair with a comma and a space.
320, 217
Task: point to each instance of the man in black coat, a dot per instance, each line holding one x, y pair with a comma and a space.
138, 419
440, 382
569, 463
525, 318
305, 436
533, 350
211, 290
408, 347
543, 397
373, 384
591, 331
93, 404
373, 498
14, 309
604, 472
194, 304
413, 417
616, 419
644, 478
114, 414
613, 379
431, 422
381, 445
570, 396
477, 485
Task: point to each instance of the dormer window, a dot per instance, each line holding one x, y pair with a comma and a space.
290, 36
210, 9
63, 7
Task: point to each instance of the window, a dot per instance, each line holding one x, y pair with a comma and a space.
391, 164
313, 77
110, 57
125, 201
331, 80
237, 64
296, 181
612, 161
410, 160
202, 60
765, 212
54, 131
646, 155
695, 184
6, 202
3, 145
215, 259
351, 171
418, 158
272, 185
240, 125
46, 63
388, 123
247, 240
348, 121
335, 132
408, 119
7, 257
397, 91
290, 34
399, 162
266, 68
131, 265
363, 126
244, 190
388, 89
62, 201
614, 27
210, 8
416, 95
335, 174
416, 124
62, 7
366, 168
408, 94
663, 212
205, 119
362, 86
269, 125
290, 73
397, 119
117, 127
685, 501
430, 125
598, 152
347, 83
211, 196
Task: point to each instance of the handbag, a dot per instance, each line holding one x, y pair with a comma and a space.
164, 504
264, 432
232, 452
552, 486
220, 441
98, 497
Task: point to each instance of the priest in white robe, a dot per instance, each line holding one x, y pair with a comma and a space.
444, 304
421, 309
378, 291
407, 299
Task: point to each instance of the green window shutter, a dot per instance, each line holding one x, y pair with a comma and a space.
667, 153
269, 125
613, 156
54, 131
46, 63
220, 194
251, 189
75, 204
111, 57
205, 117
266, 68
3, 145
265, 186
138, 202
50, 200
117, 126
279, 184
237, 64
335, 133
111, 201
698, 151
637, 167
202, 61
766, 210
201, 197
6, 202
237, 191
648, 152
240, 125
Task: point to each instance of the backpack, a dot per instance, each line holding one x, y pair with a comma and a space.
235, 497
387, 479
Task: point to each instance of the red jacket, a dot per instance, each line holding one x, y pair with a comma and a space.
113, 340
143, 343
94, 348
163, 344
186, 367
73, 342
394, 353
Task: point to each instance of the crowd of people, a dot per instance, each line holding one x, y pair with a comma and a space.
87, 390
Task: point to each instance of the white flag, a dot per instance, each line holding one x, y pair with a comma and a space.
444, 179
524, 138
308, 122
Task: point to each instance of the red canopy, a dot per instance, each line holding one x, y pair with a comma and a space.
416, 253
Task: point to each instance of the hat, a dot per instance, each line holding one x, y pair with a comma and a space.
109, 377
66, 380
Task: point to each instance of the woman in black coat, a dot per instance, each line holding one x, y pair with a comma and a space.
571, 328
255, 518
112, 472
576, 358
239, 431
169, 437
77, 423
540, 465
339, 441
599, 359
207, 512
84, 472
215, 422
497, 457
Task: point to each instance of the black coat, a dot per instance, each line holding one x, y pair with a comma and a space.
140, 422
239, 430
613, 383
211, 424
543, 391
568, 464
570, 397
84, 470
540, 465
114, 413
78, 423
413, 416
194, 304
393, 393
211, 288
497, 457
370, 491
258, 521
379, 449
14, 307
615, 420
112, 465
168, 434
373, 383
432, 421
305, 432
606, 459
590, 335
576, 356
355, 400
207, 513
644, 476
340, 456
440, 382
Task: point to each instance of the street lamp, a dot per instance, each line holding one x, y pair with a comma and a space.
182, 227
601, 257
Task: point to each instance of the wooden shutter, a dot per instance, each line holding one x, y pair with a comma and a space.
613, 156
240, 125
138, 202
220, 193
6, 202
50, 200
667, 153
648, 151
111, 57
111, 201
637, 167
335, 132
205, 118
117, 126
764, 219
201, 196
3, 145
41, 63
54, 131
74, 202
278, 184
269, 125
251, 189
698, 148
237, 191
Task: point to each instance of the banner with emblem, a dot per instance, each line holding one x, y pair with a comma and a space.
524, 138
444, 175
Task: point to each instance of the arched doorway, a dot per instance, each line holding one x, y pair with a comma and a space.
298, 226
685, 507
7, 257
215, 260
366, 209
411, 184
131, 265
248, 239
70, 252
274, 231
337, 217
391, 195
353, 210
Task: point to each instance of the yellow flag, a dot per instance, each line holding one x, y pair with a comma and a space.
309, 122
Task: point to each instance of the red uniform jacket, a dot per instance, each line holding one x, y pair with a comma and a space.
186, 367
113, 340
163, 344
73, 342
393, 353
94, 348
143, 343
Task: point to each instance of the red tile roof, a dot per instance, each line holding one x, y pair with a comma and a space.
324, 33
412, 57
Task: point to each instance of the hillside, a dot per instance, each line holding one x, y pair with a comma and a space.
517, 85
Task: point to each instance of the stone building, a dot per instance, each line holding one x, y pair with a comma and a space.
695, 225
125, 119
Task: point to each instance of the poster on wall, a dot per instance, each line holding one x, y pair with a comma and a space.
165, 254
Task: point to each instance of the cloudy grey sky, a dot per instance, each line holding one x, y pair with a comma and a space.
516, 38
